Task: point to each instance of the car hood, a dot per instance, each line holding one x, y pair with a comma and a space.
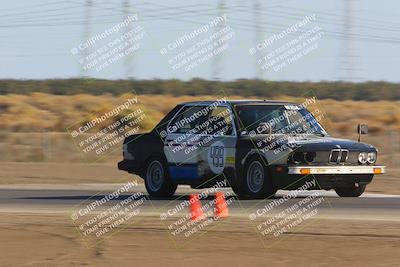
314, 143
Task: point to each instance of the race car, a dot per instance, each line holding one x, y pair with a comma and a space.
254, 146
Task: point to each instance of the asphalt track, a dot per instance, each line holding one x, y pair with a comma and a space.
69, 198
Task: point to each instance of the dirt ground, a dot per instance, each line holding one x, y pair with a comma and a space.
52, 240
60, 173
76, 173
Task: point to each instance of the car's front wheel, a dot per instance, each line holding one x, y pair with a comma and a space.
350, 191
256, 181
157, 180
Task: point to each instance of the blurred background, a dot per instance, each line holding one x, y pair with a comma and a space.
45, 86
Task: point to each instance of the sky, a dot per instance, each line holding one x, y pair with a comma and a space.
355, 40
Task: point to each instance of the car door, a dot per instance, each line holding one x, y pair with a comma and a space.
183, 142
200, 144
219, 143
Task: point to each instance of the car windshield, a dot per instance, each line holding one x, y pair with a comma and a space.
281, 119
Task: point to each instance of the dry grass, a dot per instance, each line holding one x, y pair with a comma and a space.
43, 112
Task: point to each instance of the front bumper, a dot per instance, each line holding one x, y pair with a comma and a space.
305, 170
129, 165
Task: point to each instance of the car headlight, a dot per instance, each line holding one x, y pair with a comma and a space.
371, 158
363, 157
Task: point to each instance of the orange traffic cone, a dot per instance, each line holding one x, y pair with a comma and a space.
195, 208
221, 208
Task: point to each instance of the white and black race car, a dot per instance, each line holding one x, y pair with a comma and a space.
256, 146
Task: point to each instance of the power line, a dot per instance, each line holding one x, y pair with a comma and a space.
241, 25
39, 12
35, 6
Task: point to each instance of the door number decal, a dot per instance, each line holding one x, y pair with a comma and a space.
216, 157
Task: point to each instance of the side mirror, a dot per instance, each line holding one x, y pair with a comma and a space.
362, 129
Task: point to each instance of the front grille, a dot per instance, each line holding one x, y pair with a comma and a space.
334, 155
338, 155
344, 156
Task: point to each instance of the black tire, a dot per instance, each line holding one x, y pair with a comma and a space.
157, 179
256, 181
240, 193
350, 191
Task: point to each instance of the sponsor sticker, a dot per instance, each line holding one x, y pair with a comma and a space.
292, 107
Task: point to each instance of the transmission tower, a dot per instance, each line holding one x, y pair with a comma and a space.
86, 35
128, 60
217, 64
257, 34
350, 60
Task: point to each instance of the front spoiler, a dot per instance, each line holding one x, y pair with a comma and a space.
304, 170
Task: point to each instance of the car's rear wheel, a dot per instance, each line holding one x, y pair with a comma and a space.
256, 181
157, 180
350, 191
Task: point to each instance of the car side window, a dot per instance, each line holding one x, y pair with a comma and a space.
187, 119
221, 121
252, 116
